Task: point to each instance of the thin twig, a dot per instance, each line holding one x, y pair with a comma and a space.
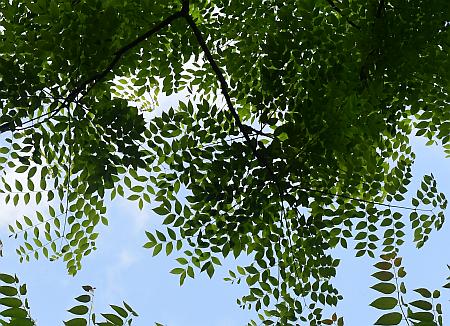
91, 293
69, 167
399, 297
330, 194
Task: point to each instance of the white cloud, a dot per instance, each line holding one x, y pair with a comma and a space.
125, 209
114, 277
126, 259
9, 213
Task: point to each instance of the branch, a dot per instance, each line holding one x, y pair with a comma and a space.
242, 128
339, 11
252, 131
122, 51
328, 194
10, 127
222, 81
99, 76
380, 9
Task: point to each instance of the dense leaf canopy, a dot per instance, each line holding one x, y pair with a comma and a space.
294, 138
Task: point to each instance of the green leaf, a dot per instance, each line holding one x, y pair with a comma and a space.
421, 304
169, 248
383, 265
423, 292
157, 249
283, 136
122, 312
14, 312
421, 316
386, 288
115, 320
22, 322
22, 289
7, 278
21, 169
83, 298
161, 210
8, 291
392, 318
127, 307
11, 302
383, 275
19, 186
160, 236
79, 310
76, 322
384, 303
28, 221
177, 271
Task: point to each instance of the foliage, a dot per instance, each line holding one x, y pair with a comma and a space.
17, 310
390, 272
13, 298
295, 139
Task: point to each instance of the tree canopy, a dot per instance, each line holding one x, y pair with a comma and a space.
294, 139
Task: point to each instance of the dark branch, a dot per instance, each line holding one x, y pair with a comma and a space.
99, 76
247, 131
252, 130
380, 9
242, 128
222, 81
185, 8
339, 11
120, 53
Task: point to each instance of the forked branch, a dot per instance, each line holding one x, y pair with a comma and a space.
99, 76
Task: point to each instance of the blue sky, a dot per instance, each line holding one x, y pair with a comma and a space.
122, 270
425, 267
